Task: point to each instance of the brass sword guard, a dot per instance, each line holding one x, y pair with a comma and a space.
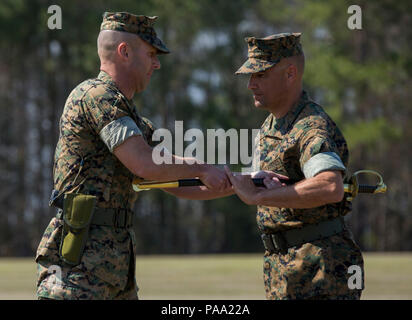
353, 187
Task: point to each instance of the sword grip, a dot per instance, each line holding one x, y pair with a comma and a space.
190, 183
364, 188
259, 182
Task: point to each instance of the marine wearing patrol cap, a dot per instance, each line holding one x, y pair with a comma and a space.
140, 25
264, 53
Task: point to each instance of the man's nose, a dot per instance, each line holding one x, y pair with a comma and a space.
252, 83
156, 63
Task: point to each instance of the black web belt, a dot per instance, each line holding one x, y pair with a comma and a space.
281, 241
109, 217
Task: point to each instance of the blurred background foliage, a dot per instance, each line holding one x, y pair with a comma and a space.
363, 78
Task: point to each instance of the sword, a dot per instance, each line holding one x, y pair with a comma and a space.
352, 188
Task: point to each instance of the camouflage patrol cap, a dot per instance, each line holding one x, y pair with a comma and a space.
264, 53
140, 25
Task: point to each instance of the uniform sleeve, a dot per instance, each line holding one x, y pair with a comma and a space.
318, 153
117, 131
106, 117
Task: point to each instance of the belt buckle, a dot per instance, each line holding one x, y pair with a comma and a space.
268, 243
279, 242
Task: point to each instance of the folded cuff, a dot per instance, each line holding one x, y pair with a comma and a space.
117, 131
325, 161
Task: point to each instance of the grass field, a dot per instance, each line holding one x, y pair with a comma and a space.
387, 276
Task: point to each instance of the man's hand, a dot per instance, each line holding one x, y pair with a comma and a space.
210, 177
214, 178
244, 187
270, 179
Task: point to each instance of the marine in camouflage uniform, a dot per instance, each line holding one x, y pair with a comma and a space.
308, 251
96, 118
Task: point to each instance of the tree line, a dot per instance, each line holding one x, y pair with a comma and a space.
361, 77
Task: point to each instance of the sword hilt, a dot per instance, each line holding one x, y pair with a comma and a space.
353, 188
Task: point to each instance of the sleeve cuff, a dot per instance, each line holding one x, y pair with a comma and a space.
117, 131
325, 161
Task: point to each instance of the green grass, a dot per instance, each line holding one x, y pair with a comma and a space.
387, 276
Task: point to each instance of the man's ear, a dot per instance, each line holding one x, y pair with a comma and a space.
122, 51
291, 73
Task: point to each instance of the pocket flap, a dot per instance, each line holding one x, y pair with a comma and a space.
78, 210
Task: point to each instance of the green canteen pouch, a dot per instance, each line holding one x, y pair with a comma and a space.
78, 212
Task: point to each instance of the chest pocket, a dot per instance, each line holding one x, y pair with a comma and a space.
281, 156
270, 159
